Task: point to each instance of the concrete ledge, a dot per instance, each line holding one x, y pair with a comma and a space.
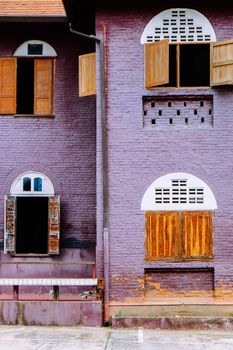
60, 313
174, 323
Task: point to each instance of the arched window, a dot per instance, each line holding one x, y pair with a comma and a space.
35, 48
179, 25
32, 216
179, 218
174, 56
31, 183
27, 79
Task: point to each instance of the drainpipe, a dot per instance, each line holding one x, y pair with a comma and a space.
104, 229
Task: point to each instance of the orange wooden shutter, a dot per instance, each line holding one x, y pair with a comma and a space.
197, 234
54, 225
10, 224
87, 74
43, 86
163, 235
221, 63
156, 63
8, 85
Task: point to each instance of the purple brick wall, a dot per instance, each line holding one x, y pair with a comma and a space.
178, 280
62, 147
137, 156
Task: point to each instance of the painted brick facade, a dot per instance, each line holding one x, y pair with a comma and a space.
62, 147
137, 155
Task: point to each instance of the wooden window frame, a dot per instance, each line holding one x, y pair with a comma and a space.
50, 90
10, 232
220, 64
153, 251
177, 86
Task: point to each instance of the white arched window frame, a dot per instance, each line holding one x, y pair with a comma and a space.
17, 187
178, 191
35, 48
179, 25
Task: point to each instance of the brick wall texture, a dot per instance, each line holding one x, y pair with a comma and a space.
62, 147
137, 156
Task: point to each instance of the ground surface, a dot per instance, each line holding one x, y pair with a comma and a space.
79, 338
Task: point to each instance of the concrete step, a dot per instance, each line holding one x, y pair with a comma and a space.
174, 322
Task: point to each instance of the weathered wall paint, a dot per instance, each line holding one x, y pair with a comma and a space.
137, 156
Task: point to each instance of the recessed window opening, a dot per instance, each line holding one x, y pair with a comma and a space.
25, 86
35, 49
32, 225
38, 184
194, 65
189, 65
172, 67
26, 184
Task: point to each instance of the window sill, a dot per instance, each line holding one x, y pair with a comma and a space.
178, 87
178, 264
34, 115
29, 255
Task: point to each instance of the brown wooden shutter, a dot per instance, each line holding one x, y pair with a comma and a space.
87, 74
54, 225
43, 86
10, 225
197, 234
8, 85
163, 235
221, 63
156, 63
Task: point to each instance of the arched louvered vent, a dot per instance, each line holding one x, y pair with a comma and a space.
179, 25
178, 191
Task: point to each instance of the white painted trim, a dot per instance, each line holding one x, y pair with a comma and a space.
48, 281
22, 50
17, 185
207, 199
157, 22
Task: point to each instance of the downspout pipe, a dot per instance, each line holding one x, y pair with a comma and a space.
105, 203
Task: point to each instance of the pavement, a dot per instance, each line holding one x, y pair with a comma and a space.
83, 338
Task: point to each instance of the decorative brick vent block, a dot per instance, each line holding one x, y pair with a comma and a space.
178, 112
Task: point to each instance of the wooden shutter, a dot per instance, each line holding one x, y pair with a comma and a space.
156, 63
221, 63
197, 235
54, 225
43, 86
8, 85
10, 224
87, 74
163, 235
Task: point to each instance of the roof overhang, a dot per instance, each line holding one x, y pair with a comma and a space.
34, 18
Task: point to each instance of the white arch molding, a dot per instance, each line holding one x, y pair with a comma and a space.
179, 25
17, 185
178, 191
43, 49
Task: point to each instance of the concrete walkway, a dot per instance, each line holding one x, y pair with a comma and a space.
79, 338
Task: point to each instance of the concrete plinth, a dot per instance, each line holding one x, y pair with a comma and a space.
61, 313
